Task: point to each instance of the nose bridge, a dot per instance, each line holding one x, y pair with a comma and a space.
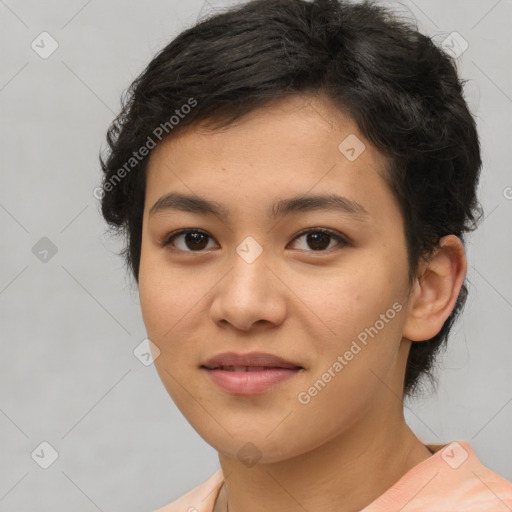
249, 250
249, 271
249, 293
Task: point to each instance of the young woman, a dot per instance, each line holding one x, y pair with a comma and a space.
294, 180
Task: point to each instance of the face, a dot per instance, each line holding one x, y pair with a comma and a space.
321, 284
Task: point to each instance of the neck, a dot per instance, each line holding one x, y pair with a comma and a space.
344, 475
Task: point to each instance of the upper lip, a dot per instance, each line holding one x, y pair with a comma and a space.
250, 359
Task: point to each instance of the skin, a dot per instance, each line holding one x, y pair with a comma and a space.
350, 443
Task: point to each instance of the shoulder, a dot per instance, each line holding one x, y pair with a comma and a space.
453, 479
198, 499
467, 483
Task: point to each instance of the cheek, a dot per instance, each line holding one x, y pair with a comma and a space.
164, 307
164, 297
349, 301
362, 310
172, 301
160, 306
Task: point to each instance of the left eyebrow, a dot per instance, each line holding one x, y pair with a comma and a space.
284, 207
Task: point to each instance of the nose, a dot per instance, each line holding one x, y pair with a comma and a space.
249, 295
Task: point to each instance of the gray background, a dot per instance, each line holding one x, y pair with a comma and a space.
70, 324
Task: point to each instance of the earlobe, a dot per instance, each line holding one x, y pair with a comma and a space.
436, 290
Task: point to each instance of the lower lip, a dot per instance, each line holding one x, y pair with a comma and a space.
250, 383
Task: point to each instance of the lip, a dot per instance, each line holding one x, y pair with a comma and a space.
250, 382
268, 371
255, 359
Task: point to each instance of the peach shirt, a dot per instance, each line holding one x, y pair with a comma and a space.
451, 480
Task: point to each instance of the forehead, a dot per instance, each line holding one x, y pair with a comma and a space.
297, 146
293, 127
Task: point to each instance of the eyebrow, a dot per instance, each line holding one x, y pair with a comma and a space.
284, 207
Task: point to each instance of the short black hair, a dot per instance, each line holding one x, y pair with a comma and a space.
402, 90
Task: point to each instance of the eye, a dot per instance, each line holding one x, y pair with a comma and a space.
196, 240
189, 240
319, 239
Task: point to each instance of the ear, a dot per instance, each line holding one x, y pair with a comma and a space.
435, 290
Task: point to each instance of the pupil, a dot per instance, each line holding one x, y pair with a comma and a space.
316, 241
192, 239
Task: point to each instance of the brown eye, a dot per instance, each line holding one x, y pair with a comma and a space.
319, 240
188, 240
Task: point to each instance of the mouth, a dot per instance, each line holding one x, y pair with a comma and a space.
249, 368
253, 361
248, 374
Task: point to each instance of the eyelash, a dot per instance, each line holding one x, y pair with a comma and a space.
342, 240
